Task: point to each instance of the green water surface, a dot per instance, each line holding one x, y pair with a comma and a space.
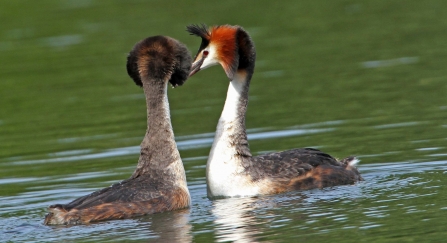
365, 78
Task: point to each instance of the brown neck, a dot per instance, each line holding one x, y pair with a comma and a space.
158, 149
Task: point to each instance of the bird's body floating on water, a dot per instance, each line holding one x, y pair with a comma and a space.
231, 169
159, 182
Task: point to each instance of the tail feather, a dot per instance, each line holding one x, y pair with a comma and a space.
350, 161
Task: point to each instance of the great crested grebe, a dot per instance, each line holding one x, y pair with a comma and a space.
231, 170
159, 182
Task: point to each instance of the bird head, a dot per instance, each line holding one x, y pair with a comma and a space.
159, 58
219, 46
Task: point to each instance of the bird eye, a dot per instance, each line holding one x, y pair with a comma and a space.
205, 53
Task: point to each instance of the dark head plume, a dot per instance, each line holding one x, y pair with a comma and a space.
200, 31
246, 51
160, 58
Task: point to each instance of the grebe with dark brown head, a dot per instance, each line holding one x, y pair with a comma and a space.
231, 169
159, 182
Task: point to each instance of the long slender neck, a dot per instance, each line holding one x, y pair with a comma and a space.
230, 147
231, 138
158, 149
231, 133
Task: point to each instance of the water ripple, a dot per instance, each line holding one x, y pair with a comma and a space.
191, 142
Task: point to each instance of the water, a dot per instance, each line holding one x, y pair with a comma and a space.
364, 78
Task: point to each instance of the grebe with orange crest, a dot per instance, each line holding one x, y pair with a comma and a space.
231, 170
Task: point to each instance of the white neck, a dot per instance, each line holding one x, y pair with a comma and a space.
224, 162
229, 112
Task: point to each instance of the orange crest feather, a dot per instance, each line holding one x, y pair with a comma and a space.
224, 38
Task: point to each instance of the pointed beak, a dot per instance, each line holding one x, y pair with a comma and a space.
196, 66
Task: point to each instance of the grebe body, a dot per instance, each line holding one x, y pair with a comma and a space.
231, 169
159, 182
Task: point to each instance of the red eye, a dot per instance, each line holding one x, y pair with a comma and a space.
205, 53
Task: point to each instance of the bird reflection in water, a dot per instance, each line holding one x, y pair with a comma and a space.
236, 220
171, 226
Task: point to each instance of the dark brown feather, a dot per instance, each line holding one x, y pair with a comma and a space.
301, 169
168, 200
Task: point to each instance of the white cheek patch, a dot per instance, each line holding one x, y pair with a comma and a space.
211, 59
